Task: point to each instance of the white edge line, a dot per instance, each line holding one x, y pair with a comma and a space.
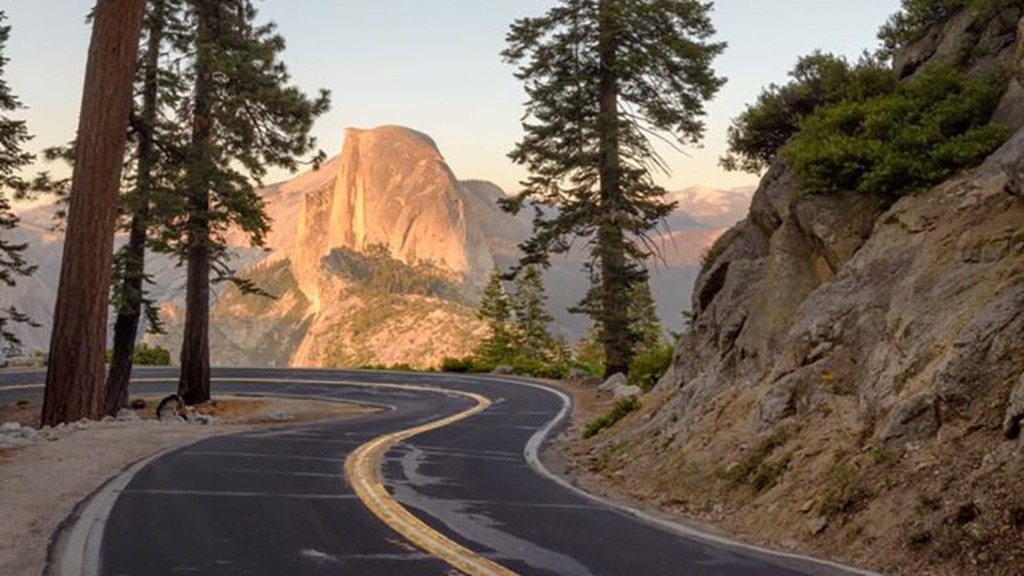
532, 454
77, 551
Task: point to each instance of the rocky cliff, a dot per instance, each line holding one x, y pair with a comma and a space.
391, 188
853, 383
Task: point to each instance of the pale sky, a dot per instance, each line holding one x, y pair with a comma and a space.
435, 66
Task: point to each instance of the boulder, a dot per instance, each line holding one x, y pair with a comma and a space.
126, 415
620, 392
612, 382
503, 371
1014, 417
914, 420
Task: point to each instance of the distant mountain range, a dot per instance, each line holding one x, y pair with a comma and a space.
389, 191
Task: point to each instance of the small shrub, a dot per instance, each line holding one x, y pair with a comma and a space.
767, 475
755, 470
882, 455
145, 355
457, 365
621, 409
649, 366
845, 495
919, 539
538, 369
23, 403
1016, 518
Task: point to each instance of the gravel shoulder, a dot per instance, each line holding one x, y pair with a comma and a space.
43, 478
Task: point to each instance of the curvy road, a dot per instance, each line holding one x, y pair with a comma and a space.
444, 480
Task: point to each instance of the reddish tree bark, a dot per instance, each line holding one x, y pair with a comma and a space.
126, 327
194, 382
74, 380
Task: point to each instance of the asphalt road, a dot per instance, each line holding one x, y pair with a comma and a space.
276, 502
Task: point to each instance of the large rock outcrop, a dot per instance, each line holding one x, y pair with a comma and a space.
392, 188
853, 357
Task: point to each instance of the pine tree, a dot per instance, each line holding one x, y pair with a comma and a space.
244, 119
531, 319
643, 313
13, 136
496, 310
156, 157
603, 78
74, 379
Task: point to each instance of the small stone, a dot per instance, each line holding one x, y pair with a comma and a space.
126, 415
817, 525
9, 427
109, 419
626, 392
206, 420
278, 416
29, 434
503, 371
138, 404
807, 507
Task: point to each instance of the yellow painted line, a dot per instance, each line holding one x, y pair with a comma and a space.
362, 468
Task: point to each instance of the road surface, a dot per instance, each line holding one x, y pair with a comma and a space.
277, 501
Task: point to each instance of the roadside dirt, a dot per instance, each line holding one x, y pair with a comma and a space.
40, 483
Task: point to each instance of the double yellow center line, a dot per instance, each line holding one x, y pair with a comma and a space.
362, 468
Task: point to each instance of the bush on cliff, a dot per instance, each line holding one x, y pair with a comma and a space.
925, 131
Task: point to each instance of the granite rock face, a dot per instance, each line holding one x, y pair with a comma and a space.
392, 188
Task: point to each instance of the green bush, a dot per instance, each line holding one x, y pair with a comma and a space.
921, 134
755, 470
649, 366
144, 355
818, 80
467, 365
621, 409
538, 369
155, 356
457, 365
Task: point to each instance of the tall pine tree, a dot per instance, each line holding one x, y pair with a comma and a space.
529, 306
245, 118
604, 78
13, 136
643, 318
496, 310
155, 154
74, 378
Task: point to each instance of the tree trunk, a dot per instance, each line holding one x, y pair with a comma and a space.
126, 327
194, 385
611, 246
74, 380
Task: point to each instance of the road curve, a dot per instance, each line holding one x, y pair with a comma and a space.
277, 501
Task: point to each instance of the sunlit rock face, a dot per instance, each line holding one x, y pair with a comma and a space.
394, 189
